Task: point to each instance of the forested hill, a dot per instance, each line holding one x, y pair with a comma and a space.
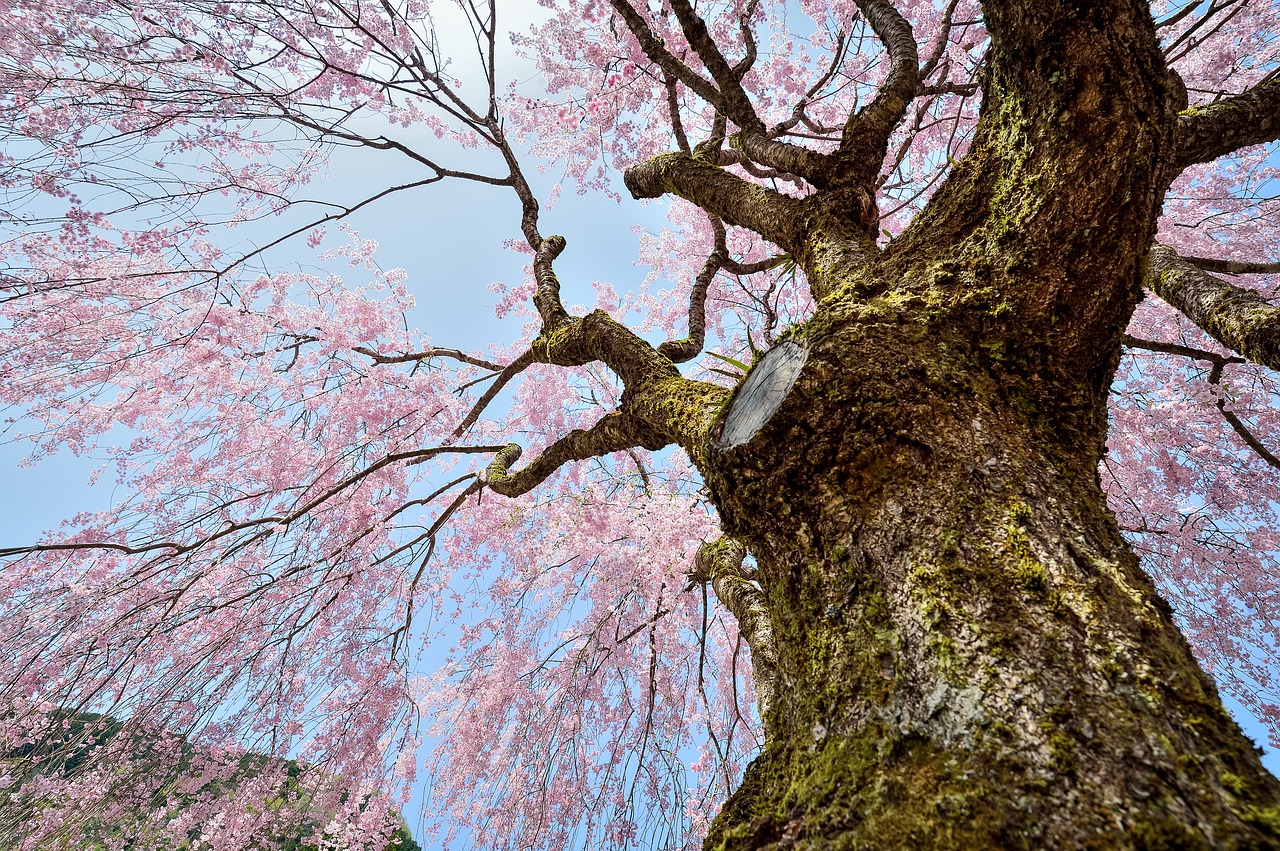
69, 752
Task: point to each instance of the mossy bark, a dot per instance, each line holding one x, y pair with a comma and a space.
967, 652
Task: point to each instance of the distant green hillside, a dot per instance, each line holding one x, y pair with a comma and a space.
68, 752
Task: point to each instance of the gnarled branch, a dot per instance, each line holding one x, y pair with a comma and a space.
680, 351
774, 216
866, 134
615, 432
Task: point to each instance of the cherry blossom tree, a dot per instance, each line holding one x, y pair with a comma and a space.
852, 527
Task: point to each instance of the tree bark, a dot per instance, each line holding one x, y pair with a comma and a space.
967, 652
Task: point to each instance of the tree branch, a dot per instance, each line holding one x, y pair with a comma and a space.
547, 297
658, 54
680, 351
733, 99
813, 166
774, 216
615, 432
720, 563
456, 354
865, 139
1220, 362
1232, 267
1238, 318
1252, 117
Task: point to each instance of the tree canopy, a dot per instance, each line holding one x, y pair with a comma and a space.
310, 492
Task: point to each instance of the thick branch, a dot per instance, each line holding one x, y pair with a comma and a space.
774, 216
813, 166
616, 432
720, 563
1238, 318
866, 134
1252, 117
547, 297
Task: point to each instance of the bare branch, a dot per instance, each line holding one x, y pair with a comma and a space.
547, 297
1219, 362
1233, 267
1176, 349
673, 110
410, 357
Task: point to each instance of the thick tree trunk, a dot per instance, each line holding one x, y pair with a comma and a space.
967, 652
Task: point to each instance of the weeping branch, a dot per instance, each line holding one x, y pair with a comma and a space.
1219, 363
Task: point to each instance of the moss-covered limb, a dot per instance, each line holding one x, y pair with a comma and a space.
774, 216
865, 138
1237, 317
1252, 117
615, 432
720, 563
658, 405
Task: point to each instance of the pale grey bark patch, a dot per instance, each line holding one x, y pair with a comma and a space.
762, 393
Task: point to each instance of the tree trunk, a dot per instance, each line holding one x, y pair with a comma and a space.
967, 652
